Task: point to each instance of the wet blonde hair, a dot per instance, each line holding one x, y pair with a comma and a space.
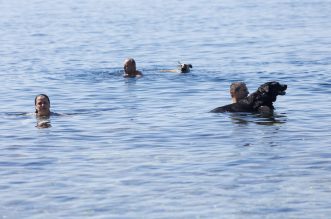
236, 86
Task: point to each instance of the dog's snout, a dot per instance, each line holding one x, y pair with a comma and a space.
282, 89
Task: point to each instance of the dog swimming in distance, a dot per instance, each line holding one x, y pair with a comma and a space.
181, 68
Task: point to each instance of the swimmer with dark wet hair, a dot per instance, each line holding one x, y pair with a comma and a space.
42, 111
130, 70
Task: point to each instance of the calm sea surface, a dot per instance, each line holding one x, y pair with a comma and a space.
148, 147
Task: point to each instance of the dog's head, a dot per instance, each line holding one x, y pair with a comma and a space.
184, 68
270, 90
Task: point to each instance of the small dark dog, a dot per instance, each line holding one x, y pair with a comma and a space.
184, 68
181, 68
260, 100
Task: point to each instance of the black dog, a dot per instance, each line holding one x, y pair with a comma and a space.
263, 98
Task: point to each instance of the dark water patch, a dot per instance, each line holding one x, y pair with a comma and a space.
246, 118
94, 75
39, 35
17, 114
9, 163
92, 111
39, 163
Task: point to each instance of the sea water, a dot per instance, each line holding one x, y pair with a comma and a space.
148, 147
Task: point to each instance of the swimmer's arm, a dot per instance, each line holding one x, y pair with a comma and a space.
136, 74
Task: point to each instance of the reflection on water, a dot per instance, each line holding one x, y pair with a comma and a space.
260, 119
43, 122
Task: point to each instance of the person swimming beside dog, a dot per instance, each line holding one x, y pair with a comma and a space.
130, 69
239, 91
260, 101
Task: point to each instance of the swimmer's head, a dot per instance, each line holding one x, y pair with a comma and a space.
130, 66
42, 105
238, 91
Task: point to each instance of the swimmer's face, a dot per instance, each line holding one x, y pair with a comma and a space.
241, 92
42, 106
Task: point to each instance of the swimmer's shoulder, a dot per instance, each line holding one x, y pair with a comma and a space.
136, 74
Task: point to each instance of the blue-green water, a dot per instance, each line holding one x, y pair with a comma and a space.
149, 148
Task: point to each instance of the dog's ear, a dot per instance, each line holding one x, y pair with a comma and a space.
264, 88
275, 83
